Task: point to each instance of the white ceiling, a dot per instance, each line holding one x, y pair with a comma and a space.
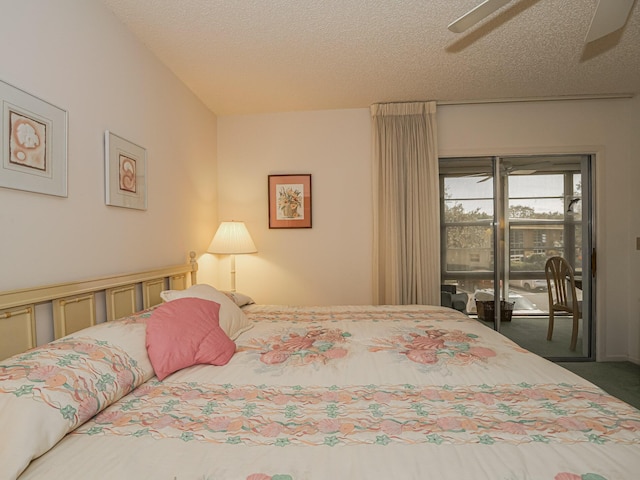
253, 56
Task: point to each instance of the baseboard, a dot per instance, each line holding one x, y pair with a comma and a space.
634, 360
617, 358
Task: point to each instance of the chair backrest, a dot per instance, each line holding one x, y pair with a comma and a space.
561, 284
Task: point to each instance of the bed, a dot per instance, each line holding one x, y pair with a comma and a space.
305, 393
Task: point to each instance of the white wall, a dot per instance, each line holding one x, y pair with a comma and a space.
76, 55
331, 263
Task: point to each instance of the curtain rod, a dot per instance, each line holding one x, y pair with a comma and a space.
605, 96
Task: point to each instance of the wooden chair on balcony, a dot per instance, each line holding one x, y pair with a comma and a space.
561, 285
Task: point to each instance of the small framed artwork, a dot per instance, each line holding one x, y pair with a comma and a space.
290, 201
125, 173
33, 143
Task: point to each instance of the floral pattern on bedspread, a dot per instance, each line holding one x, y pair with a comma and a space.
264, 476
387, 313
76, 376
300, 346
429, 346
138, 317
575, 476
372, 414
560, 476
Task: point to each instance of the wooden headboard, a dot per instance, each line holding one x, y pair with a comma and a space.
73, 306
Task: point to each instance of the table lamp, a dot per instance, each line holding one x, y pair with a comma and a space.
232, 238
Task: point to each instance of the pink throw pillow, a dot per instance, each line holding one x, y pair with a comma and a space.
186, 332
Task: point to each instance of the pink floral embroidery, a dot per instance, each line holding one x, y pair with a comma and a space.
77, 376
328, 425
431, 346
427, 357
87, 408
315, 344
513, 427
274, 357
43, 373
357, 415
272, 429
263, 476
391, 427
574, 476
482, 352
572, 424
219, 424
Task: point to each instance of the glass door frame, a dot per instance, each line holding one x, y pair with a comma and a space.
501, 231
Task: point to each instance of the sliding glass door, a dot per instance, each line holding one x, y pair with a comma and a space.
501, 219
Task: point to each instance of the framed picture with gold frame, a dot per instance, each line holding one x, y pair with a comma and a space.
290, 201
125, 173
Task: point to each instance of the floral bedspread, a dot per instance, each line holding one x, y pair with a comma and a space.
345, 392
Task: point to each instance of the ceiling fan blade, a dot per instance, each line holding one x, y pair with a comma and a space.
609, 17
473, 16
528, 168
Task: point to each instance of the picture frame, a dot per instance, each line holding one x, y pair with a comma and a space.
125, 173
290, 201
33, 143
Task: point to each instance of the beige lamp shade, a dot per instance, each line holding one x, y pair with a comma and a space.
232, 238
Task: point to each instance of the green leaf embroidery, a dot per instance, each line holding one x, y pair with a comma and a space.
486, 440
209, 408
106, 379
68, 412
597, 439
291, 411
23, 390
129, 404
540, 438
331, 441
249, 410
282, 442
592, 476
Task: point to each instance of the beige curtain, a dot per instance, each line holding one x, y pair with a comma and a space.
406, 204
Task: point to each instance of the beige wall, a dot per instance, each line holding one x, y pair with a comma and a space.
76, 55
331, 263
598, 126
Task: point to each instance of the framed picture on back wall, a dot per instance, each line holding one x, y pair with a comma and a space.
290, 201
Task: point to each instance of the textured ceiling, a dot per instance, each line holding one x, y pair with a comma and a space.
252, 56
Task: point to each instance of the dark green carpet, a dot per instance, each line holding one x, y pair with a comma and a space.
620, 379
531, 333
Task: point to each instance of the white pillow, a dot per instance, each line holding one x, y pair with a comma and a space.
232, 320
240, 299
